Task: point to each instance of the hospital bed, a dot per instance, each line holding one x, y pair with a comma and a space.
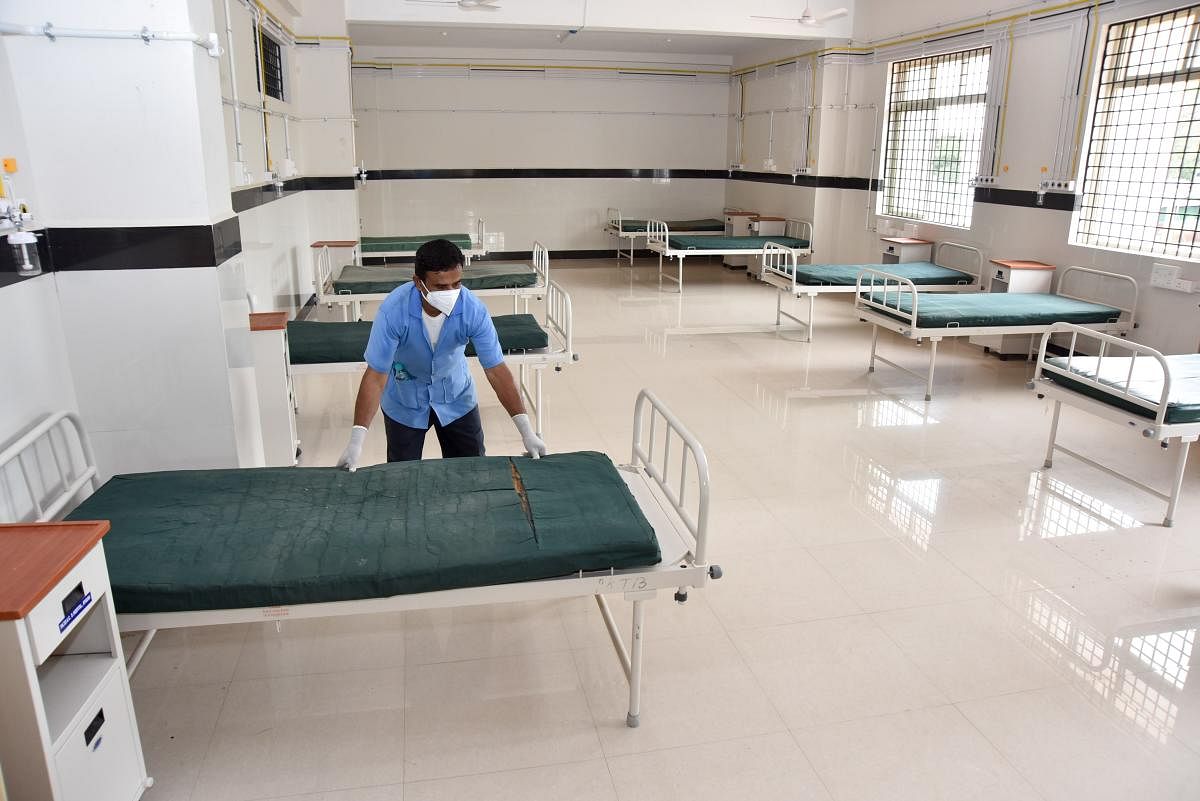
209, 547
1128, 383
889, 301
405, 245
353, 284
781, 268
621, 228
333, 347
797, 235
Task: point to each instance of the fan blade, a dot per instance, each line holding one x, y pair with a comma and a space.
836, 13
781, 19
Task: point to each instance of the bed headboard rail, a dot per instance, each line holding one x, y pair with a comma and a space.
614, 217
541, 263
559, 315
657, 233
780, 260
876, 289
970, 256
652, 451
1118, 380
45, 469
1106, 285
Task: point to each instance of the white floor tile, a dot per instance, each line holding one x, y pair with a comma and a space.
476, 632
924, 755
176, 725
322, 645
834, 670
766, 768
579, 781
496, 714
784, 586
188, 657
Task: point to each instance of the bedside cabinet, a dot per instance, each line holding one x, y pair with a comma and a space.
67, 731
905, 249
1015, 275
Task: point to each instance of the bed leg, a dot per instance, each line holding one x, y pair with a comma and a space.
1177, 481
1049, 462
139, 650
874, 347
660, 272
778, 309
537, 393
681, 275
933, 343
633, 719
812, 316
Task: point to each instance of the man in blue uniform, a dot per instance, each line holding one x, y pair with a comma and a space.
417, 371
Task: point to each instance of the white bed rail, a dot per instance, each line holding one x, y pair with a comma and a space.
876, 289
614, 218
541, 263
1117, 350
780, 260
1102, 278
654, 456
560, 317
657, 234
970, 252
45, 469
800, 229
480, 239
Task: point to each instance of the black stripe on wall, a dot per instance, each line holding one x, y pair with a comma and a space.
131, 248
1056, 201
521, 255
246, 199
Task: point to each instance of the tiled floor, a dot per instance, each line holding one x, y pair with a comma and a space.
911, 608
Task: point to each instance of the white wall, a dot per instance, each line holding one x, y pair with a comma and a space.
411, 122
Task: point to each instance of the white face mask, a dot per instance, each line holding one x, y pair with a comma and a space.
442, 300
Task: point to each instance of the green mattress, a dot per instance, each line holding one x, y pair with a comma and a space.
706, 224
732, 242
228, 539
408, 243
313, 342
921, 273
357, 279
1183, 404
972, 309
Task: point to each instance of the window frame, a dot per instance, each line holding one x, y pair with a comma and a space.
260, 60
969, 171
1167, 205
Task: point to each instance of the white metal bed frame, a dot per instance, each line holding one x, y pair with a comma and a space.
777, 259
478, 247
880, 313
351, 302
1155, 427
616, 227
658, 239
558, 322
659, 485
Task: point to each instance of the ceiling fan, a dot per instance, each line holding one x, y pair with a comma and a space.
465, 5
808, 18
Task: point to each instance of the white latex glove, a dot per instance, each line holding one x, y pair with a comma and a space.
350, 457
533, 443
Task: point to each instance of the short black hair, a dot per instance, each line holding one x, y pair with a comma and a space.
437, 255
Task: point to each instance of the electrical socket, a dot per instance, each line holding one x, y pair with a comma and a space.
1057, 185
801, 170
769, 165
1182, 285
1164, 276
985, 180
736, 166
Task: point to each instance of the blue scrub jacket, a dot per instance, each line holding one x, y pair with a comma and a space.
420, 377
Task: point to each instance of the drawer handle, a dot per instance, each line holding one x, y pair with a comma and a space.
93, 728
999, 273
73, 604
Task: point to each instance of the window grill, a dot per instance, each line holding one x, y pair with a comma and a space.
268, 64
936, 112
1141, 177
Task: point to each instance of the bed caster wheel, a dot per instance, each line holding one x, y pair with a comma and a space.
558, 369
715, 572
1047, 464
633, 721
149, 782
681, 596
1168, 522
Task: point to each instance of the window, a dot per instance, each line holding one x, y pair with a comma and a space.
268, 57
935, 120
1141, 177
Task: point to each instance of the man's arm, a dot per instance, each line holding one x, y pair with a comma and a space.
370, 389
501, 379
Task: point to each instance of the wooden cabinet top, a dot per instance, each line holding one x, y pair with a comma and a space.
35, 556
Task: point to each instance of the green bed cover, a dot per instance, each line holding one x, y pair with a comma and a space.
228, 539
706, 224
313, 342
732, 242
408, 243
1183, 404
971, 309
921, 273
357, 279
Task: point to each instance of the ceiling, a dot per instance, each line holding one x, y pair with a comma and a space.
416, 36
